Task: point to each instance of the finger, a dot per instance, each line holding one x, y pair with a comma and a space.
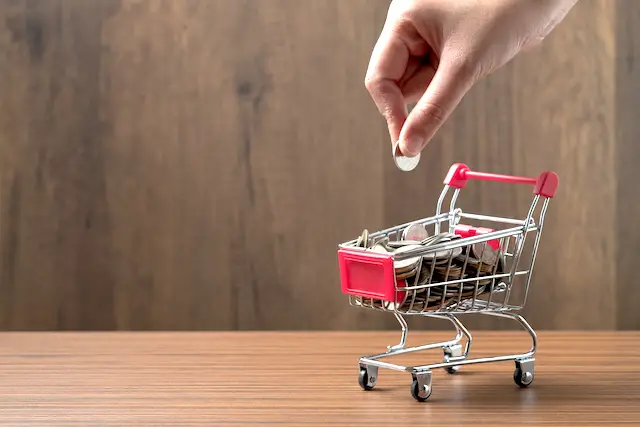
388, 64
414, 87
414, 65
447, 88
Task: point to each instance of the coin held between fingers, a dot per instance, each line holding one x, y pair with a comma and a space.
404, 163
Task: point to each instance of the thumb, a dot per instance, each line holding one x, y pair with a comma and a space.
447, 88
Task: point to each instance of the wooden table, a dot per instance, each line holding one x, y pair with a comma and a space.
302, 379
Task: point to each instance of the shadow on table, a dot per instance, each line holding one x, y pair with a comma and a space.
597, 388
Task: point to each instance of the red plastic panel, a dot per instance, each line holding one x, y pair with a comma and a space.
468, 231
368, 274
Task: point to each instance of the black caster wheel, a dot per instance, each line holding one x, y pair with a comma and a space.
452, 369
449, 353
421, 394
365, 381
522, 378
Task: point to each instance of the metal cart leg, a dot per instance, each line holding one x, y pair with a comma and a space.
455, 355
421, 386
403, 339
454, 352
525, 363
452, 348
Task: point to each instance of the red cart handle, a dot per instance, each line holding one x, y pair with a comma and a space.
545, 185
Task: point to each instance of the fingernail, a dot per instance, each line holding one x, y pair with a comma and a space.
411, 147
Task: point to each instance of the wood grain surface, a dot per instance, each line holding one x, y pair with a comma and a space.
193, 165
268, 378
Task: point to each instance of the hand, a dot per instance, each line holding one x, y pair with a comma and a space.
431, 52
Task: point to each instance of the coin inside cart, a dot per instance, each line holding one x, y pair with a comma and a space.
415, 231
409, 262
484, 252
378, 247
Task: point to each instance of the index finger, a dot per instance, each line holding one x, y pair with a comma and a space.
387, 65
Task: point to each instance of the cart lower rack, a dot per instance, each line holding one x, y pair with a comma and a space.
444, 266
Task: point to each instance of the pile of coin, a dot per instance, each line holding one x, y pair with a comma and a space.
428, 269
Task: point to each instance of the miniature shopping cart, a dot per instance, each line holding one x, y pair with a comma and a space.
445, 266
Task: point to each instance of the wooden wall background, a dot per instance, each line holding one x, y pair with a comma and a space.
193, 164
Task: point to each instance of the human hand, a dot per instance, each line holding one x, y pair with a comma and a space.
431, 52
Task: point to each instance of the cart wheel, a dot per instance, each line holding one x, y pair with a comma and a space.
452, 369
417, 393
523, 374
454, 351
523, 379
366, 382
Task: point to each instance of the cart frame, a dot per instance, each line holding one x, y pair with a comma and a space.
369, 278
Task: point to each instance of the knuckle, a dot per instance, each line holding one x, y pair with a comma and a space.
402, 23
371, 83
379, 91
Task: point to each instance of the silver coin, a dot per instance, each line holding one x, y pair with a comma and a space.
484, 253
415, 232
365, 238
395, 244
443, 254
437, 238
380, 240
379, 248
405, 263
404, 163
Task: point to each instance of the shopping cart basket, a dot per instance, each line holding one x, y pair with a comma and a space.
441, 267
